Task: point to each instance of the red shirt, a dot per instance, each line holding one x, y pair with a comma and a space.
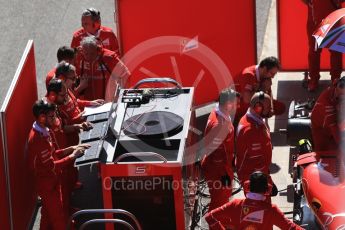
50, 76
105, 34
248, 214
97, 73
70, 110
58, 135
219, 145
324, 122
41, 152
253, 146
249, 80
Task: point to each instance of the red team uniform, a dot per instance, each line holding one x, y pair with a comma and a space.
324, 118
317, 11
253, 146
250, 81
104, 34
97, 73
219, 142
47, 171
251, 213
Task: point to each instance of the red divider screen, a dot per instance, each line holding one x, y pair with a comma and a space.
4, 205
17, 118
292, 36
198, 43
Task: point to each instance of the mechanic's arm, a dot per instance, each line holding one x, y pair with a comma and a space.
281, 221
219, 218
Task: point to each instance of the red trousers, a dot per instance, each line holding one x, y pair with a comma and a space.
314, 58
219, 194
53, 216
69, 178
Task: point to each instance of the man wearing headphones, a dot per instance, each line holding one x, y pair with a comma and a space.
64, 53
253, 140
68, 109
326, 117
91, 25
250, 213
67, 73
45, 168
99, 70
219, 144
258, 78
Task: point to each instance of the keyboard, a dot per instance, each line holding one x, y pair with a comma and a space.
97, 132
98, 117
92, 154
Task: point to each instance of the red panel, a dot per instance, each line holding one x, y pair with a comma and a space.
292, 36
18, 118
4, 208
159, 30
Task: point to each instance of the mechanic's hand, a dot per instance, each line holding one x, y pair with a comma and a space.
77, 153
97, 102
86, 126
83, 146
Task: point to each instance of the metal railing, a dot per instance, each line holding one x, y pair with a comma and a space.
103, 221
102, 211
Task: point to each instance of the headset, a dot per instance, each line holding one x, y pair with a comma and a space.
54, 85
258, 105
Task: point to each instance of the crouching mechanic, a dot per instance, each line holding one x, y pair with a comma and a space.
253, 140
326, 115
258, 78
250, 213
219, 144
45, 168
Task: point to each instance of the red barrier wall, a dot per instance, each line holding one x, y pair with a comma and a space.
292, 36
226, 35
17, 118
4, 205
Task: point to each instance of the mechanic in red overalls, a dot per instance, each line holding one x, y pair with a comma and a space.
253, 140
91, 25
219, 144
258, 78
317, 11
64, 53
250, 213
68, 109
67, 73
46, 169
97, 66
72, 119
325, 116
